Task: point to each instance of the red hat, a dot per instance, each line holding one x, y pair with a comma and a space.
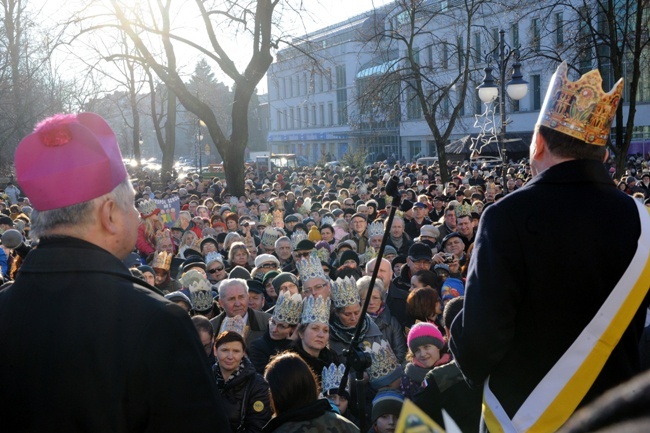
69, 159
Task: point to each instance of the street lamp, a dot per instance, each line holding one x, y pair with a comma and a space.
199, 137
516, 89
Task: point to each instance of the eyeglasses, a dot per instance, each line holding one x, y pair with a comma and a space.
281, 326
213, 270
316, 287
269, 265
303, 254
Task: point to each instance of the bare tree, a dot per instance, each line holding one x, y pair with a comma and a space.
426, 66
610, 35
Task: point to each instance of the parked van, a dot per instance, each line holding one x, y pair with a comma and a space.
427, 160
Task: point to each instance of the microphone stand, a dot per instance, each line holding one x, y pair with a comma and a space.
359, 359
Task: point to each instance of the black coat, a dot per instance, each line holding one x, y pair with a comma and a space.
545, 258
393, 332
325, 358
261, 350
258, 405
87, 347
258, 324
397, 294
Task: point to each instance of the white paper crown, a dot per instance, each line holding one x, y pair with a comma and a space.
234, 324
345, 292
310, 268
288, 308
384, 361
213, 255
332, 376
376, 229
271, 234
315, 310
327, 220
200, 290
296, 238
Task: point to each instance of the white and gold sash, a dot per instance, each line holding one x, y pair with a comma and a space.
557, 396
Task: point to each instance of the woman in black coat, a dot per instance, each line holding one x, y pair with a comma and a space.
245, 392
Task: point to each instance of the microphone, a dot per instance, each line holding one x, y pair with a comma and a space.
13, 240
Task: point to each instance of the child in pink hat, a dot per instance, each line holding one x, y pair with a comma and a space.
426, 344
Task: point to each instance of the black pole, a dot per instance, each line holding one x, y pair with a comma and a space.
356, 358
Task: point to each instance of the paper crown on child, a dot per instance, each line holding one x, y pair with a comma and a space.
580, 109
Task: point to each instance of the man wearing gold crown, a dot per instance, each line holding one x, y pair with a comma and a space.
554, 311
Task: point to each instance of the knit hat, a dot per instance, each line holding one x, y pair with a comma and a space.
282, 278
240, 272
386, 402
349, 255
390, 250
266, 258
269, 276
424, 333
451, 288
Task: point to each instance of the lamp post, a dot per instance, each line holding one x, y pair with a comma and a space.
199, 138
516, 89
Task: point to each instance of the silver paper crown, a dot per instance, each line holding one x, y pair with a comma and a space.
147, 207
323, 255
213, 255
296, 238
315, 310
288, 308
271, 234
384, 361
234, 324
327, 220
332, 376
345, 292
376, 229
309, 269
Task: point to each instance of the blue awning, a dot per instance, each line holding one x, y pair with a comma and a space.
389, 66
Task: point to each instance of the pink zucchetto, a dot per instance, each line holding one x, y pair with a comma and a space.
67, 160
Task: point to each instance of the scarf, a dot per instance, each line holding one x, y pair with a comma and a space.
378, 313
397, 242
344, 333
218, 375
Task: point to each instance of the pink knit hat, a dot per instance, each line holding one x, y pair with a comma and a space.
69, 159
424, 333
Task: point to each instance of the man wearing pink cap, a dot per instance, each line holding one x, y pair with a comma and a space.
85, 346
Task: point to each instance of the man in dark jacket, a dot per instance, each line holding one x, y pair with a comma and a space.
113, 355
540, 370
419, 258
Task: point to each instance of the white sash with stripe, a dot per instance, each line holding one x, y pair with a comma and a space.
578, 361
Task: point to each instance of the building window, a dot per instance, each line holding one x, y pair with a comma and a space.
536, 34
445, 55
306, 113
321, 115
537, 92
292, 120
313, 116
461, 53
477, 48
478, 104
330, 114
413, 107
278, 124
341, 95
515, 35
299, 117
559, 29
415, 147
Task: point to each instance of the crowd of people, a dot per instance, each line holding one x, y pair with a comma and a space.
274, 282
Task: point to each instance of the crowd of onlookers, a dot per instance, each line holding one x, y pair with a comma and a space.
275, 280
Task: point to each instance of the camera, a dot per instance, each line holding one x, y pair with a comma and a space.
448, 258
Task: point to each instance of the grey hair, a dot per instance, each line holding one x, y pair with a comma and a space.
230, 239
281, 239
228, 283
363, 284
80, 214
396, 218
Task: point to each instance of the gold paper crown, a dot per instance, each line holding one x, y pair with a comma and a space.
580, 109
147, 207
376, 229
310, 268
315, 310
162, 260
332, 376
288, 308
266, 218
296, 238
270, 235
200, 290
345, 292
323, 254
370, 254
463, 210
384, 361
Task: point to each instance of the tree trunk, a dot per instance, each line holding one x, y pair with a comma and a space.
170, 135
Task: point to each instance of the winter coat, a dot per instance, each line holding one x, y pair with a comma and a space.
261, 350
316, 417
397, 294
258, 405
258, 324
325, 358
393, 332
